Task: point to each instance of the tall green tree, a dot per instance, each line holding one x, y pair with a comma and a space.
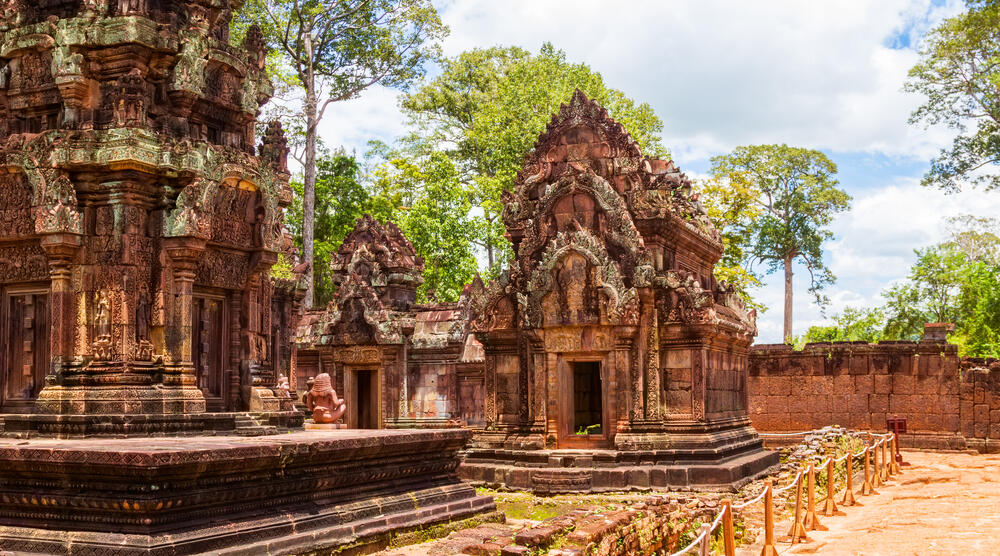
486, 109
852, 325
333, 50
959, 74
797, 195
432, 208
341, 198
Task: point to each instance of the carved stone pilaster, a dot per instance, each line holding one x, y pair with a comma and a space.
61, 249
184, 253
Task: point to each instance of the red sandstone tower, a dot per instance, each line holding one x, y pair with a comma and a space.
138, 219
613, 357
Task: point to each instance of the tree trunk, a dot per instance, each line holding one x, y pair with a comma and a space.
789, 261
309, 187
489, 254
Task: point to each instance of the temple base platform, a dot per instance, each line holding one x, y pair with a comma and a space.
722, 458
301, 492
32, 425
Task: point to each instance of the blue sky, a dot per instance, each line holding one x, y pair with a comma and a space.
720, 73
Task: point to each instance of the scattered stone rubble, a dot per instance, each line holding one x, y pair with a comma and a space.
646, 527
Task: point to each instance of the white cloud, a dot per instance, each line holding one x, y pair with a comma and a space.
722, 73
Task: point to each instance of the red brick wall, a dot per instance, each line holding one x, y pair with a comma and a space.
947, 401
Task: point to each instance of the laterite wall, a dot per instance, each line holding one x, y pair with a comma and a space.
949, 402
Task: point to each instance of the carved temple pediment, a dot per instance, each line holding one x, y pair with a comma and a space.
593, 222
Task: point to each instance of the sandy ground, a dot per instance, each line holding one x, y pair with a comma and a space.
943, 503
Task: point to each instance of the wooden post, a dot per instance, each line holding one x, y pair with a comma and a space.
830, 504
876, 470
867, 488
849, 491
769, 548
728, 532
706, 541
886, 475
798, 531
811, 520
897, 458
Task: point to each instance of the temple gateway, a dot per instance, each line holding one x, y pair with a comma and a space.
606, 356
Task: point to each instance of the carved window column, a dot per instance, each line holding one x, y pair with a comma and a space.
490, 391
622, 368
541, 391
184, 253
698, 365
651, 354
61, 248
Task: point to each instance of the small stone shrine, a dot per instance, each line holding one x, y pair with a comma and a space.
139, 219
398, 363
613, 357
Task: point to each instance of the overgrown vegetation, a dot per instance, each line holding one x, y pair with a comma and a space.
956, 281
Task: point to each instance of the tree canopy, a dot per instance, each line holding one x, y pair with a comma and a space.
334, 50
780, 201
959, 74
485, 111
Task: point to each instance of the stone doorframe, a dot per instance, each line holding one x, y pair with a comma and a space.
561, 385
351, 393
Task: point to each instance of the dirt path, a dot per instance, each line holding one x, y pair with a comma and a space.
943, 503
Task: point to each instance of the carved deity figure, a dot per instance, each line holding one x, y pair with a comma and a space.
102, 316
284, 389
323, 402
274, 148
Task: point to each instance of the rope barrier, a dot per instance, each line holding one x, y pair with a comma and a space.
706, 530
807, 520
749, 502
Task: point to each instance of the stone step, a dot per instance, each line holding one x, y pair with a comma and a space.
256, 431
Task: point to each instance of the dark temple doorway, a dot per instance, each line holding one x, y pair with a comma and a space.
366, 400
24, 349
588, 411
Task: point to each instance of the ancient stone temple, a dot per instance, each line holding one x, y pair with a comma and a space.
613, 357
139, 220
398, 363
138, 226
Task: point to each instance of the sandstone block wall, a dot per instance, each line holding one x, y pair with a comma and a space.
947, 401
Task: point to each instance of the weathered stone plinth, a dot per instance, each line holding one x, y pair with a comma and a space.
21, 425
286, 494
722, 459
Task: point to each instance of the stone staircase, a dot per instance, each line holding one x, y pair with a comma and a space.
248, 425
